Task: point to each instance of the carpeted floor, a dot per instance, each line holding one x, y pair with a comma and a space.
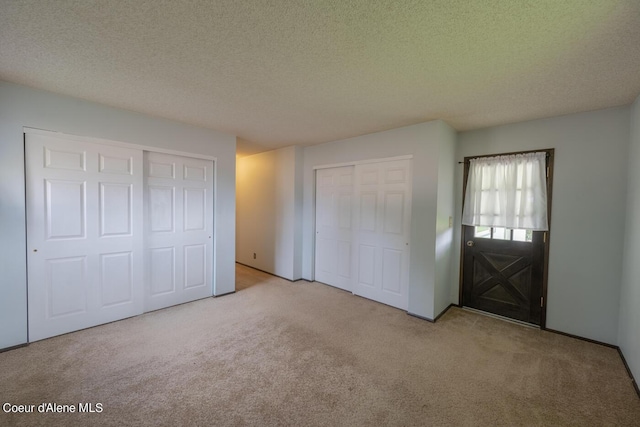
281, 353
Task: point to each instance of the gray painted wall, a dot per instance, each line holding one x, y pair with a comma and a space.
629, 328
423, 141
444, 232
21, 106
588, 217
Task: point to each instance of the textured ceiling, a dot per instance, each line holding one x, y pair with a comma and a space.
277, 73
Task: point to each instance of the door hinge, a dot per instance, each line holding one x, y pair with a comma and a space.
547, 171
544, 237
541, 301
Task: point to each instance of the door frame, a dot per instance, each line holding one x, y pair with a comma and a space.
545, 268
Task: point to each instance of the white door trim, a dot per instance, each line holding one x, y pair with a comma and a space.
363, 162
93, 140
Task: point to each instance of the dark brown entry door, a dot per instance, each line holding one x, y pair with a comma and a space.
503, 272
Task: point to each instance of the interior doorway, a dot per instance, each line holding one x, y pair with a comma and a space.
504, 270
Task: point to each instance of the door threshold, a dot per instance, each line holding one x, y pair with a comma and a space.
497, 316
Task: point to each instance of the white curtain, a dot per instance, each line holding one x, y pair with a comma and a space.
507, 191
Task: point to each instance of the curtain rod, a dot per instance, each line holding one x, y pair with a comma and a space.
496, 155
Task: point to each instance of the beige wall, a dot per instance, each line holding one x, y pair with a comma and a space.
268, 211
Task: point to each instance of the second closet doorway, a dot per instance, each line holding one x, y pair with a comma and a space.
363, 219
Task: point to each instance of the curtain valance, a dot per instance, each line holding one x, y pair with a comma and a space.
507, 191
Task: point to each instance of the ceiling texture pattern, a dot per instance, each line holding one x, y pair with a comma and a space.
278, 73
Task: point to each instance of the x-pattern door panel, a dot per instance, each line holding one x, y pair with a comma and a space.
512, 278
503, 276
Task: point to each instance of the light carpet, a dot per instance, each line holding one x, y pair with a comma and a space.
282, 353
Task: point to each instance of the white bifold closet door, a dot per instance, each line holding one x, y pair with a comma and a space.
84, 234
334, 204
179, 229
363, 220
112, 232
382, 215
